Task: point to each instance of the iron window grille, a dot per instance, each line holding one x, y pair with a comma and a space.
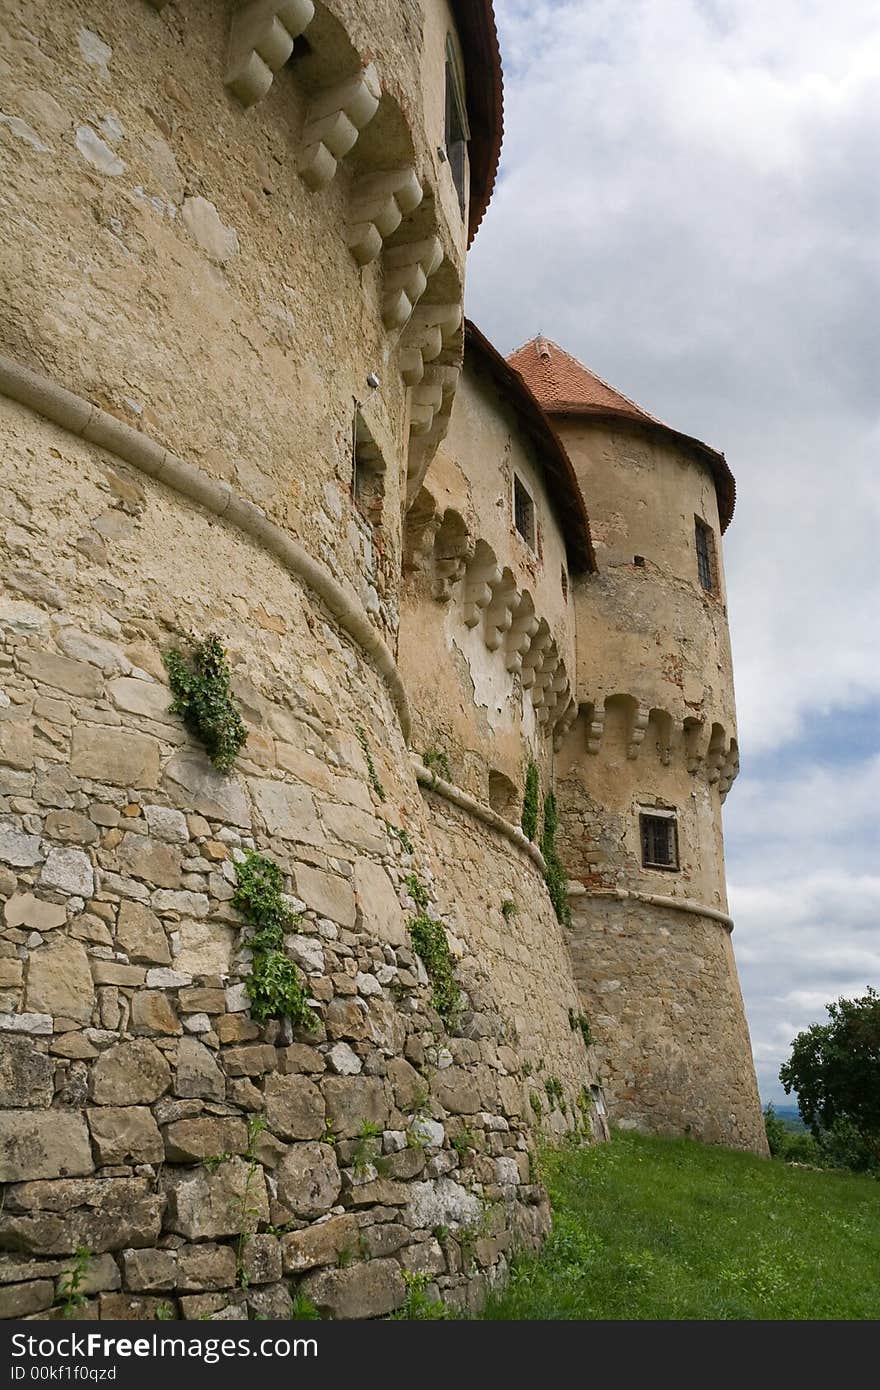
659, 841
705, 543
523, 512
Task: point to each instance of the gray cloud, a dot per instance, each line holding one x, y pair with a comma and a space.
689, 202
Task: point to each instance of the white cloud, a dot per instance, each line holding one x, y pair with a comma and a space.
689, 202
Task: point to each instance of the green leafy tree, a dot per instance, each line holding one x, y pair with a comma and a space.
835, 1069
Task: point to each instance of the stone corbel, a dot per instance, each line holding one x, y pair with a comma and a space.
428, 332
334, 121
482, 575
564, 722
716, 755
519, 639
596, 727
552, 694
428, 397
730, 771
261, 38
408, 269
379, 204
694, 743
499, 614
638, 729
534, 657
544, 676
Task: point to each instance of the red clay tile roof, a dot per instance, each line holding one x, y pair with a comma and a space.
565, 487
564, 386
475, 21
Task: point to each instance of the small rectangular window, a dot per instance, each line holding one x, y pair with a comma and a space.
659, 841
456, 128
705, 542
523, 512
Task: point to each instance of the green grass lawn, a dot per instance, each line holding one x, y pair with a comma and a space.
672, 1229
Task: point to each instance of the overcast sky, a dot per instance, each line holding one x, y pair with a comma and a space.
690, 203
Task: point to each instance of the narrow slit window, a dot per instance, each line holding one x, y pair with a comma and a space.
367, 472
456, 127
659, 841
705, 543
523, 512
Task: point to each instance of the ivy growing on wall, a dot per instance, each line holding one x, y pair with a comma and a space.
530, 803
200, 684
555, 875
275, 987
431, 946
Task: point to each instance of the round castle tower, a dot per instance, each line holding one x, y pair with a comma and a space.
643, 772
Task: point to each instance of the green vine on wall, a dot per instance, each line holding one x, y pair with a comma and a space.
431, 946
555, 875
372, 774
200, 684
530, 803
274, 985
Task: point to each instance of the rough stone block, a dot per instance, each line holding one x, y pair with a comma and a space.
190, 1141
320, 1244
370, 1290
308, 1178
130, 1072
149, 1271
153, 860
327, 894
205, 1267
118, 756
19, 1300
74, 677
59, 981
294, 1107
200, 787
43, 1144
205, 948
26, 1074
153, 1012
68, 871
288, 810
202, 1205
26, 910
140, 934
380, 913
197, 1072
125, 1134
351, 1100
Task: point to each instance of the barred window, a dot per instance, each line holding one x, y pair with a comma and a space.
705, 542
659, 841
523, 512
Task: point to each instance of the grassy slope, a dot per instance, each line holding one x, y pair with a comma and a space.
671, 1229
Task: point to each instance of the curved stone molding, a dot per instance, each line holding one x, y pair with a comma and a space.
334, 121
466, 802
77, 415
577, 890
261, 38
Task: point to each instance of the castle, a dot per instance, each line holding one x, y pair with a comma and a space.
458, 595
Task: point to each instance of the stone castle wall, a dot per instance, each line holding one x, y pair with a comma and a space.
672, 1046
131, 1067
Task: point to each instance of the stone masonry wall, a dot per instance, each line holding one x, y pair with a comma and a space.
663, 998
131, 1071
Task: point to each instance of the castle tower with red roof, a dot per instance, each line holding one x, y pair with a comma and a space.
643, 771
